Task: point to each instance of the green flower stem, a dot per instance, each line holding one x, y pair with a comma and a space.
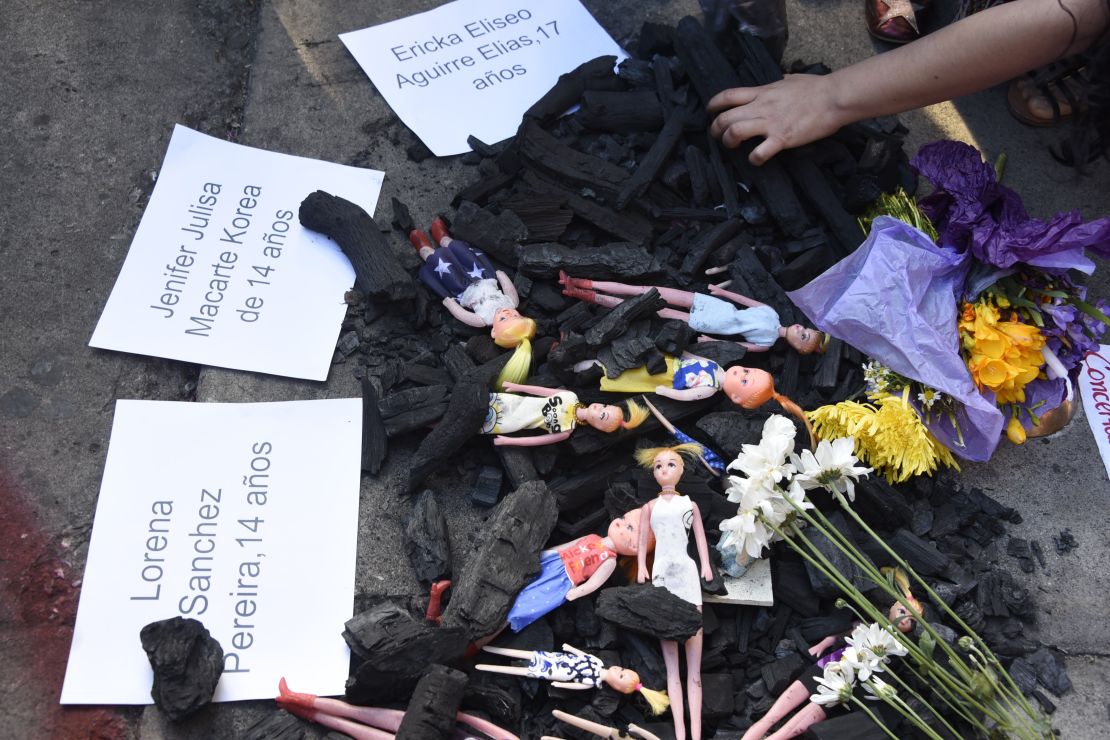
906, 711
953, 702
874, 717
908, 689
1027, 708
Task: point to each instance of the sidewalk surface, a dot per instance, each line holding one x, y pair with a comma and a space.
90, 93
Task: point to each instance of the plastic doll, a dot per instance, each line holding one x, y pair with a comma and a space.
366, 723
557, 412
476, 294
599, 730
710, 459
757, 322
669, 518
575, 669
796, 694
576, 569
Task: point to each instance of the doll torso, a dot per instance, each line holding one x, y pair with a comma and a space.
569, 667
464, 273
485, 299
671, 519
712, 315
583, 558
695, 373
509, 413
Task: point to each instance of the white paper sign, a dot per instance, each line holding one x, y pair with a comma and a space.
1094, 388
243, 516
474, 66
222, 273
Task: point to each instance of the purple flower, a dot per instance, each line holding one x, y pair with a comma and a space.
976, 214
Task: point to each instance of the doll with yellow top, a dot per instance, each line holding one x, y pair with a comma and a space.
557, 412
715, 313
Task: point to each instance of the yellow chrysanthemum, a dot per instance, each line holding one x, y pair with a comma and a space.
1002, 356
889, 435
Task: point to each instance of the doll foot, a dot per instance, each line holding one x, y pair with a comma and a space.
573, 282
420, 241
290, 699
581, 294
439, 230
435, 601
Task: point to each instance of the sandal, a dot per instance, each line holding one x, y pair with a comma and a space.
1049, 95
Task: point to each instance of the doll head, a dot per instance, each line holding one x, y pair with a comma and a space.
609, 418
805, 340
750, 388
624, 533
510, 328
626, 681
667, 463
903, 618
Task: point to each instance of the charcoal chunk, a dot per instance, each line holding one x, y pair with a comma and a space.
616, 321
487, 488
187, 663
425, 538
717, 701
781, 673
496, 234
619, 260
649, 610
497, 695
921, 555
850, 726
435, 701
464, 416
375, 439
824, 587
674, 337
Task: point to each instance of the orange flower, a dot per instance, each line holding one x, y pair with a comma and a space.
1002, 356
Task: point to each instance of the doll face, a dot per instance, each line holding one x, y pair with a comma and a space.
604, 418
621, 679
510, 327
625, 533
901, 617
668, 468
806, 341
745, 386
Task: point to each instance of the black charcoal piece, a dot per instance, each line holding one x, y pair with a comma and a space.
791, 587
642, 654
496, 695
621, 112
487, 488
596, 74
1050, 671
1064, 542
517, 464
375, 439
480, 147
425, 539
187, 663
616, 321
278, 725
624, 353
435, 701
628, 226
497, 234
545, 214
840, 562
828, 365
586, 621
750, 278
674, 337
847, 235
777, 676
464, 416
395, 648
505, 558
568, 166
402, 219
651, 162
649, 610
717, 701
413, 408
805, 267
613, 261
378, 274
480, 191
850, 726
922, 556
418, 151
706, 242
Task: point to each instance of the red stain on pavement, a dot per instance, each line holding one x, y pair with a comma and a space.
40, 589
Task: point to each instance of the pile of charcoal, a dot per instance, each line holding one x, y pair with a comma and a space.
630, 187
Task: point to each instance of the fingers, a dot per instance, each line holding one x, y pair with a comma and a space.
731, 98
736, 132
770, 146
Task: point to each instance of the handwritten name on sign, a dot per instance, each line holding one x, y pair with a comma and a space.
221, 272
474, 66
255, 537
1094, 388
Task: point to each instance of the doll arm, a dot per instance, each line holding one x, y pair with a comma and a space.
703, 546
502, 440
658, 416
686, 394
573, 649
640, 732
594, 582
467, 317
531, 390
508, 288
746, 345
817, 650
642, 575
568, 685
743, 300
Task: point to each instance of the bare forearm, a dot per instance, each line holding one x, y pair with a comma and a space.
972, 54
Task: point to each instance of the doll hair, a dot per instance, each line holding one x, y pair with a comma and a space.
519, 365
645, 456
637, 414
658, 701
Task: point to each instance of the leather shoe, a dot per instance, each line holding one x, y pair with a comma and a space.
894, 21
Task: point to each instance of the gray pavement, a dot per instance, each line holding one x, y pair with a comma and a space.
89, 97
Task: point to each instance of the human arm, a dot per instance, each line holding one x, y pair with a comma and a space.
467, 317
537, 440
978, 51
642, 575
508, 288
686, 394
702, 545
531, 390
594, 582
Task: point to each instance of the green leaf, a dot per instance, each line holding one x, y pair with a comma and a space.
1091, 311
927, 644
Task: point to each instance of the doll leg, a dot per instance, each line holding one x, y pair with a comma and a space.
512, 653
795, 695
693, 683
674, 687
435, 601
811, 714
511, 670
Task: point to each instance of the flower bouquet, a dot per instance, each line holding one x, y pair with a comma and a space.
967, 307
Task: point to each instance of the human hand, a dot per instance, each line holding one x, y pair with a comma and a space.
794, 111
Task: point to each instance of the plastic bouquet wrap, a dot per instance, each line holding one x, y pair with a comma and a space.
969, 311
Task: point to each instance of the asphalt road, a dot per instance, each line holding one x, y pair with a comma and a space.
89, 96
